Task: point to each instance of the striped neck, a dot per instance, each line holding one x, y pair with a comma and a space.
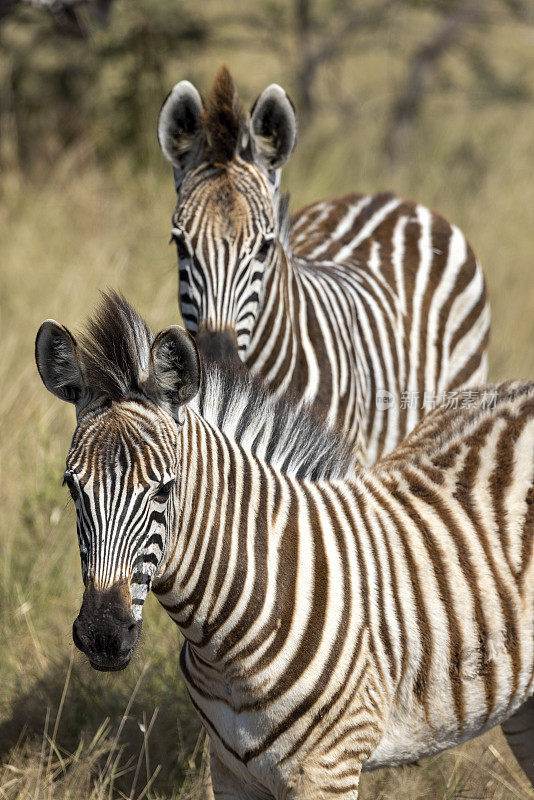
231, 509
292, 343
277, 345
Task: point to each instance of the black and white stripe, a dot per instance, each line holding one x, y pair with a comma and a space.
367, 307
122, 527
333, 625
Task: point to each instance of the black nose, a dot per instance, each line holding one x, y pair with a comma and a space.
105, 629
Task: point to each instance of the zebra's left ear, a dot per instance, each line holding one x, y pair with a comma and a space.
274, 126
174, 369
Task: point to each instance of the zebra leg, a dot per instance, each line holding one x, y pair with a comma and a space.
227, 787
519, 732
324, 784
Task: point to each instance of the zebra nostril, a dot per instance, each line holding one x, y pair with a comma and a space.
106, 629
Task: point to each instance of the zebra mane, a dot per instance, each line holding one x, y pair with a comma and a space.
223, 118
273, 429
114, 353
114, 349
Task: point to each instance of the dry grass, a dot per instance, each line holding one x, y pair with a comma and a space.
99, 767
88, 228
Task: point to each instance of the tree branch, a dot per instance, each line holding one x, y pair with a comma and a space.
423, 65
312, 57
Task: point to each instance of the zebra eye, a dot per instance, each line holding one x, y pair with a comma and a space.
263, 251
183, 250
162, 495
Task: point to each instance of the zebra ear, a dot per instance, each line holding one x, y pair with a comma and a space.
274, 126
57, 361
174, 368
180, 127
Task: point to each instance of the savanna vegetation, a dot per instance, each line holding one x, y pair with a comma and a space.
85, 203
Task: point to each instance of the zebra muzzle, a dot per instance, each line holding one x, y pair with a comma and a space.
219, 345
105, 630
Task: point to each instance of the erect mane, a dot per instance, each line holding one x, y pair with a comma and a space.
223, 118
114, 349
274, 429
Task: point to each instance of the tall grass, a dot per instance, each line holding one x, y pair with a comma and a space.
99, 767
69, 732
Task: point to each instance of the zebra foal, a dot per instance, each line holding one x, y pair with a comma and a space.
363, 307
331, 623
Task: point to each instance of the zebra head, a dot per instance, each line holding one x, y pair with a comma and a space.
227, 224
122, 467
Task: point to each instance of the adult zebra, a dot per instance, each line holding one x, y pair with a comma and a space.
329, 624
365, 307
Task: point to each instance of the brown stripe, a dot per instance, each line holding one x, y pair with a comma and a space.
398, 608
306, 705
464, 376
500, 478
193, 598
469, 322
383, 625
463, 494
436, 502
256, 601
422, 679
191, 446
239, 524
286, 589
312, 635
527, 537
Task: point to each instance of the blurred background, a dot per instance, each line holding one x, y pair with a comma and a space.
433, 99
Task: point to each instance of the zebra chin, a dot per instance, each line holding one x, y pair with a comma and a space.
106, 630
218, 345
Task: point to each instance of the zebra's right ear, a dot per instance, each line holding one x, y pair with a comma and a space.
57, 361
174, 377
180, 127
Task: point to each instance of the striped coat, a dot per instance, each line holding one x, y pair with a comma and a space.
367, 308
331, 623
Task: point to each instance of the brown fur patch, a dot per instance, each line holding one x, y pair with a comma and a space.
223, 118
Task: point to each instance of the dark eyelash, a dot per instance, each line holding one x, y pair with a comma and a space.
164, 491
263, 251
183, 250
71, 486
